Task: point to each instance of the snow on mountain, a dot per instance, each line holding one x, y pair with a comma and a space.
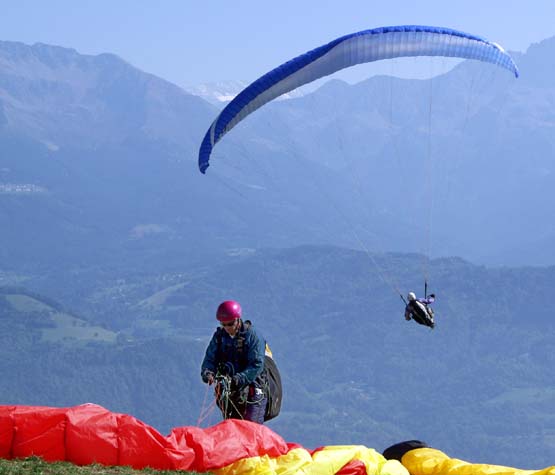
221, 92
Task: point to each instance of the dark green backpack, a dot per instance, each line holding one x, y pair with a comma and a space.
274, 391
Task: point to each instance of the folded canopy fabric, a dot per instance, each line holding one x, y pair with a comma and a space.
89, 434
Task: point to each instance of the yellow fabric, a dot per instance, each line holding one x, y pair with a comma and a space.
434, 462
393, 467
327, 461
268, 352
288, 464
332, 458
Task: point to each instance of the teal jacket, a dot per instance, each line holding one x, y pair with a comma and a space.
242, 355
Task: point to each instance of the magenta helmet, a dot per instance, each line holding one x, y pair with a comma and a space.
228, 311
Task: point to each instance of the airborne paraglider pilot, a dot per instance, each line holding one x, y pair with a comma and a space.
234, 362
419, 310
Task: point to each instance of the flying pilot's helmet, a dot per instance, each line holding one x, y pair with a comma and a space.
411, 296
228, 311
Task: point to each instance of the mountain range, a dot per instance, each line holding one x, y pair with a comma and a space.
457, 165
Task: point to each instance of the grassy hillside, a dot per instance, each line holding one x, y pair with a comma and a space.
35, 465
479, 386
49, 318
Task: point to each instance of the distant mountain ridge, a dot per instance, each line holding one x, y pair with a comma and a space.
58, 96
113, 151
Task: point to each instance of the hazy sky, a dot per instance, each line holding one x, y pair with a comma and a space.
190, 42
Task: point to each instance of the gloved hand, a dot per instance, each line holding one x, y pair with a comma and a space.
208, 377
235, 382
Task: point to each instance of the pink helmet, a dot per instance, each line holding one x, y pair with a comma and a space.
228, 311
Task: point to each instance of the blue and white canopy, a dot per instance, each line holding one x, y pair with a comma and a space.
356, 48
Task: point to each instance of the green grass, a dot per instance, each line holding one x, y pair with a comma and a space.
60, 325
37, 466
68, 326
26, 304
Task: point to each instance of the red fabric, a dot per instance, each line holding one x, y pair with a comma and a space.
229, 441
294, 445
354, 467
317, 449
142, 446
89, 433
6, 430
39, 431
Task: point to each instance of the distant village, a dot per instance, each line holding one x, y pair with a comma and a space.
21, 188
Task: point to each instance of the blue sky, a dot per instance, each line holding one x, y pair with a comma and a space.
190, 42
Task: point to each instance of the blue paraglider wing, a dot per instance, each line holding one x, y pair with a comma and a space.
356, 48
